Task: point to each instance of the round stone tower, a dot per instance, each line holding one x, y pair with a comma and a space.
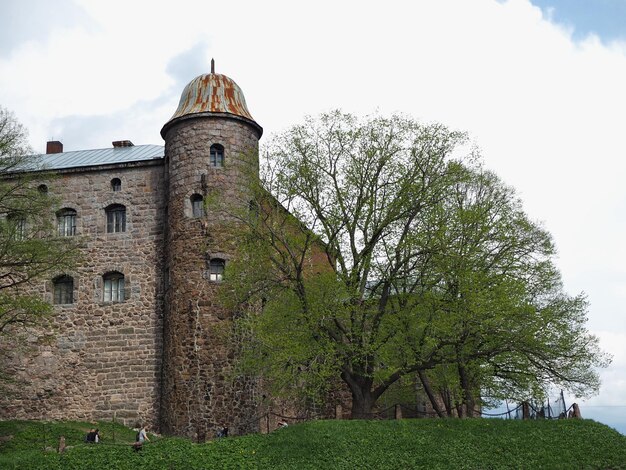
211, 152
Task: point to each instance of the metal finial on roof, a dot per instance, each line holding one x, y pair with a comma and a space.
212, 66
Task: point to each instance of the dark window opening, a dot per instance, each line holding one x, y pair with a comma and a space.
43, 189
216, 269
63, 290
116, 184
217, 155
116, 218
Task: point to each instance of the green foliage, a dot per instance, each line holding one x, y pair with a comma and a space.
427, 443
379, 251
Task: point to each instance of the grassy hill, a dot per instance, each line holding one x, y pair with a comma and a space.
426, 443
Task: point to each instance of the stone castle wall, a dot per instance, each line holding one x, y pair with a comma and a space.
201, 392
100, 360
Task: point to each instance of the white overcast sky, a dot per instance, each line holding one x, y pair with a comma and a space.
542, 94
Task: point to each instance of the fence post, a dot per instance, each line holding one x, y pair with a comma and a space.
338, 412
398, 411
525, 410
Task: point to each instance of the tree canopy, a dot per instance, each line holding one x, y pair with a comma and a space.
380, 249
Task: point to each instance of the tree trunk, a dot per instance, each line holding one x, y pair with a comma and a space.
447, 401
430, 394
362, 398
362, 405
468, 396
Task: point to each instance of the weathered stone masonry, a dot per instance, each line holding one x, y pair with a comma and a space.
200, 392
160, 355
102, 359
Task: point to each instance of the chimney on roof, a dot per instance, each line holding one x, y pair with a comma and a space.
54, 146
122, 143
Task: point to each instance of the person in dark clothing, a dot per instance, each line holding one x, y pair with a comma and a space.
91, 436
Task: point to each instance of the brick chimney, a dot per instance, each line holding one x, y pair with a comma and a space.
54, 146
122, 143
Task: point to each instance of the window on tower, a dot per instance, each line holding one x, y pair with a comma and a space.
197, 205
217, 155
216, 269
116, 184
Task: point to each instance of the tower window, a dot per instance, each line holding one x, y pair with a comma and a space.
217, 155
197, 205
43, 189
66, 222
216, 269
116, 218
63, 290
116, 184
113, 287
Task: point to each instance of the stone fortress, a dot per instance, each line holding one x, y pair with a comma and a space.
136, 334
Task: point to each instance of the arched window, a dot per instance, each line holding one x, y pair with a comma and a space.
113, 287
216, 269
116, 184
66, 222
197, 205
116, 218
43, 189
217, 155
63, 290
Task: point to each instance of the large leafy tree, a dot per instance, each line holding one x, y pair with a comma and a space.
379, 251
29, 250
498, 300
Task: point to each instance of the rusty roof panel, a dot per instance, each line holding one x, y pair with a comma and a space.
214, 93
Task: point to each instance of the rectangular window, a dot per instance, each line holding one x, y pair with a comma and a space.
197, 207
64, 292
116, 220
20, 229
114, 290
67, 225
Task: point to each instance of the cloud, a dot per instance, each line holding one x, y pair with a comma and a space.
34, 20
189, 64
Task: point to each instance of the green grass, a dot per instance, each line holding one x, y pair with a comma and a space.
426, 443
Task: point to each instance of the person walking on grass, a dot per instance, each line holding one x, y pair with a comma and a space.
142, 436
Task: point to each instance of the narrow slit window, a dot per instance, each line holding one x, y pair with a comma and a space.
197, 206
